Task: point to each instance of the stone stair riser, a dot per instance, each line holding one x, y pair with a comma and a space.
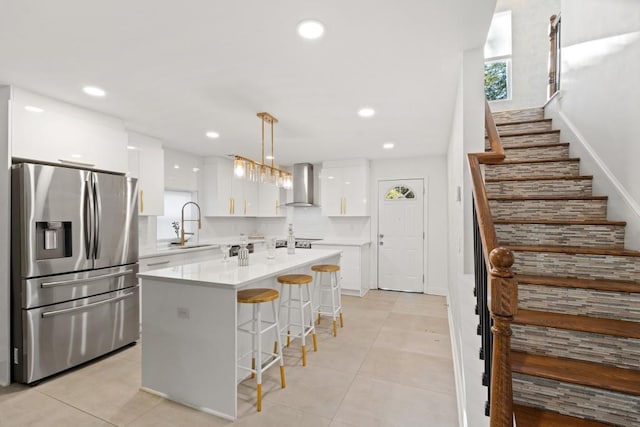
607, 349
516, 141
524, 127
578, 401
604, 236
586, 266
518, 115
577, 301
560, 168
549, 209
562, 187
537, 153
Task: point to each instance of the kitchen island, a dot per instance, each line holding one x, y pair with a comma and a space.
189, 316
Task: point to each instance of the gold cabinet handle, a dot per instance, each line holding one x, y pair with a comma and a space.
245, 207
233, 205
141, 201
277, 207
345, 206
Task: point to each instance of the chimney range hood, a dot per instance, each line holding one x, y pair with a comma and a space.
302, 185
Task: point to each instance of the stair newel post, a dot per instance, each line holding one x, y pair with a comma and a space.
503, 306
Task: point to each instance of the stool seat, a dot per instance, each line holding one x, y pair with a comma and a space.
295, 279
256, 296
325, 268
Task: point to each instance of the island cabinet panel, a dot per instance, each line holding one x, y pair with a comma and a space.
146, 162
223, 193
47, 130
345, 188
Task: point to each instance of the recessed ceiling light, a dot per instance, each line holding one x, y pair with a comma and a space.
131, 147
195, 169
76, 156
388, 145
94, 91
176, 166
269, 157
212, 135
366, 112
310, 29
33, 109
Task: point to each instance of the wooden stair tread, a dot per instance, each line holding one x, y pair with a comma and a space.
581, 323
560, 222
579, 372
536, 145
548, 198
523, 122
579, 283
527, 416
550, 160
541, 178
574, 250
529, 132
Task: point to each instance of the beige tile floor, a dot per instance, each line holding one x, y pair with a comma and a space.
390, 365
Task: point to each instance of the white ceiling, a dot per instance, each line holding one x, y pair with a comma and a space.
174, 70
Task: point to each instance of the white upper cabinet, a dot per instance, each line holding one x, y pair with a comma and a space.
272, 200
181, 171
47, 130
146, 162
345, 188
225, 195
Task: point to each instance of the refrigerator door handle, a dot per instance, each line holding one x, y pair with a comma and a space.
85, 307
98, 215
89, 209
84, 280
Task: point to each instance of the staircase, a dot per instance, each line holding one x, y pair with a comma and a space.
576, 335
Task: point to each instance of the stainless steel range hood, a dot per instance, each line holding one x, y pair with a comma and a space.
302, 185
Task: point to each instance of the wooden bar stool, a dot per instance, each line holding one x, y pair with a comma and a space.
306, 327
257, 297
333, 287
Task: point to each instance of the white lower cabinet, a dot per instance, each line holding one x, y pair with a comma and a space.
354, 267
173, 259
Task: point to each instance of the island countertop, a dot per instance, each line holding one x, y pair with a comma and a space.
229, 275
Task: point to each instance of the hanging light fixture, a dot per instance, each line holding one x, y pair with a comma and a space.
252, 170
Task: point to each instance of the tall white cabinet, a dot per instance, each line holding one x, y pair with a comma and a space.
146, 162
345, 188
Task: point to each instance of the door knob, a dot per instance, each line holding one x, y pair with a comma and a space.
381, 236
381, 243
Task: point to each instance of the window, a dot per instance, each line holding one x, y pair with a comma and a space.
173, 202
400, 192
497, 55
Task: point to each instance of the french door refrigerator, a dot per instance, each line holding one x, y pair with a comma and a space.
74, 254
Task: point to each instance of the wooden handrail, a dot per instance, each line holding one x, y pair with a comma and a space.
503, 290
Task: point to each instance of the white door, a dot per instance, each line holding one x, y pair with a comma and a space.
401, 235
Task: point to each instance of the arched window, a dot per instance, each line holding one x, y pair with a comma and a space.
400, 192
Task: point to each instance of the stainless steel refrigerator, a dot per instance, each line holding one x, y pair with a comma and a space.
74, 254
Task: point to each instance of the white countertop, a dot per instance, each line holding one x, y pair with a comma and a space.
174, 250
338, 241
218, 274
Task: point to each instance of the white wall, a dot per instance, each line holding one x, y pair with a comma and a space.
598, 108
466, 136
530, 51
5, 247
433, 170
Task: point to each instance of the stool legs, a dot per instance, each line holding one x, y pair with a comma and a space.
256, 330
303, 301
336, 300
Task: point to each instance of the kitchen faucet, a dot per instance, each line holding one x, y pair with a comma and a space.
182, 221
